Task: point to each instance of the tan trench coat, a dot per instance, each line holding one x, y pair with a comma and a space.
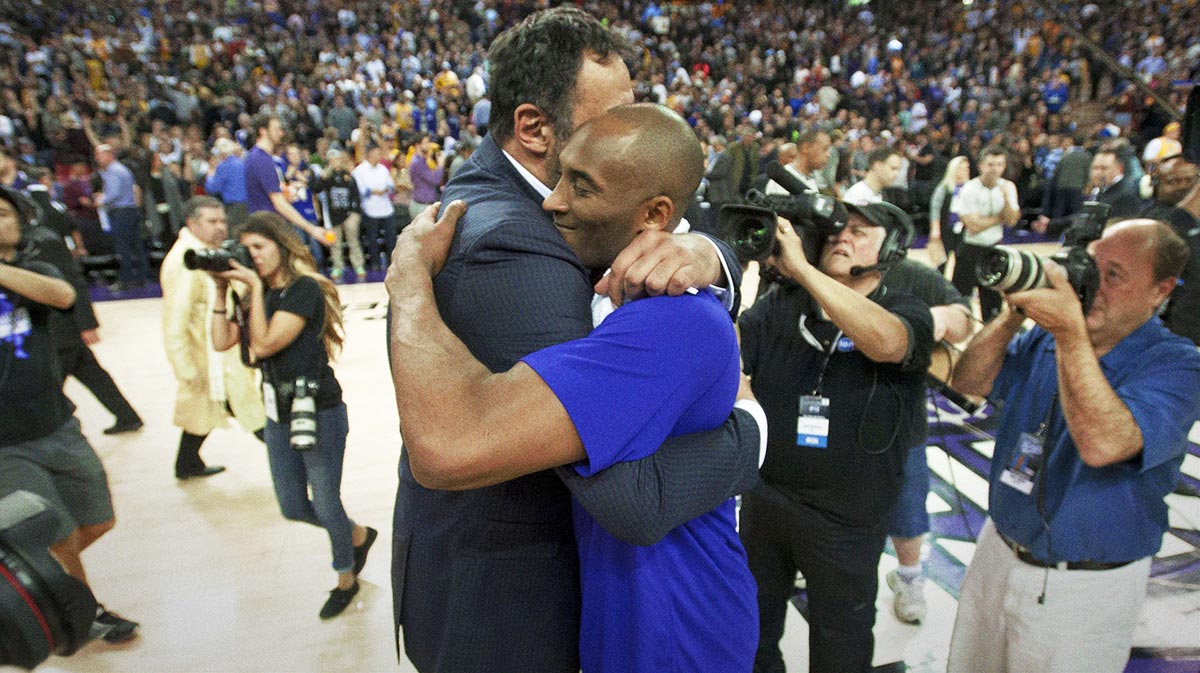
186, 312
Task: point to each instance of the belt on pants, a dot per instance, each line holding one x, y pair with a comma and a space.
1025, 556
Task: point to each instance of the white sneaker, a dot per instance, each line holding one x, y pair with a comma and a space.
909, 604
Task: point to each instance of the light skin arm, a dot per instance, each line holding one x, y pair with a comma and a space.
464, 427
976, 370
52, 292
1104, 430
289, 212
878, 333
951, 322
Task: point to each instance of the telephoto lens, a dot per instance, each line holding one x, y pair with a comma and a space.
1006, 269
304, 415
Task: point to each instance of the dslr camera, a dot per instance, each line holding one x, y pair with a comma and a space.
1007, 269
217, 259
749, 227
43, 610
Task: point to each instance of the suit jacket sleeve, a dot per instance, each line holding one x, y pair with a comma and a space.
639, 502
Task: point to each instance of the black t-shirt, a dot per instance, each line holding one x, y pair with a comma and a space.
32, 403
925, 282
877, 410
306, 355
341, 192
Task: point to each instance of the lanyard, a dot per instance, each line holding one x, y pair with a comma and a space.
827, 352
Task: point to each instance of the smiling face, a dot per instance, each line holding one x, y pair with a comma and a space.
856, 245
597, 201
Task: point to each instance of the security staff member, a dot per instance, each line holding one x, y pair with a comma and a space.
838, 362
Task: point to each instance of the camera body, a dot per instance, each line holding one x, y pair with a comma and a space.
217, 259
302, 423
749, 227
43, 610
1007, 269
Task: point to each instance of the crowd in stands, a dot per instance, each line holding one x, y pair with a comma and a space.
173, 86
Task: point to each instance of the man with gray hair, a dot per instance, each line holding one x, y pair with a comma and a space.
228, 180
212, 386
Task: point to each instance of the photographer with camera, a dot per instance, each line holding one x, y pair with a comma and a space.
211, 386
838, 362
1097, 405
1107, 185
295, 324
42, 449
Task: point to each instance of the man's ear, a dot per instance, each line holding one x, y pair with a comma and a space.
532, 129
657, 213
1163, 289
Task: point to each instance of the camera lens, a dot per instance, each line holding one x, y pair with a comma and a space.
1009, 270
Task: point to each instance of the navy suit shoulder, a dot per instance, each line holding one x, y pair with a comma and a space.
488, 579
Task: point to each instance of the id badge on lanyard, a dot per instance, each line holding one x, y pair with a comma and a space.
812, 423
269, 401
1030, 457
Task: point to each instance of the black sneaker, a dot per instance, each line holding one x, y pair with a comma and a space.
360, 552
339, 600
123, 426
113, 628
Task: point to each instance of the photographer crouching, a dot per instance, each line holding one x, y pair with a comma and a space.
1096, 404
838, 362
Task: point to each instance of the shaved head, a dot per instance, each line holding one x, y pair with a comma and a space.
657, 148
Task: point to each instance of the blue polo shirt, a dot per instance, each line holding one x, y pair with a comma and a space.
118, 186
1107, 514
656, 368
262, 180
228, 181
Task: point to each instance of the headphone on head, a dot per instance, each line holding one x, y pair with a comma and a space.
899, 237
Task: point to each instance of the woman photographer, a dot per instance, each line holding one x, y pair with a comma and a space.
295, 324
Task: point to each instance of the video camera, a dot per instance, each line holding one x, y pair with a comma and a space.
1007, 269
43, 610
749, 227
217, 259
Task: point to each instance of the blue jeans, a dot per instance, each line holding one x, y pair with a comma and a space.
909, 518
294, 471
127, 241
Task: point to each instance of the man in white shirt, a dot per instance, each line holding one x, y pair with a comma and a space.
375, 185
812, 153
883, 165
985, 205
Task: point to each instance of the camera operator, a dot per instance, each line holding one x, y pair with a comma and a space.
1093, 430
212, 386
295, 325
840, 359
42, 449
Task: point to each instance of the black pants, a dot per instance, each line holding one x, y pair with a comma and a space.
840, 565
79, 361
371, 229
966, 259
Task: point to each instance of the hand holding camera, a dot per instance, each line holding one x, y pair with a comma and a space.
1055, 306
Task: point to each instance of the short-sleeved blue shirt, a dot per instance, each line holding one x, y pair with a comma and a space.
656, 368
118, 186
262, 180
1108, 514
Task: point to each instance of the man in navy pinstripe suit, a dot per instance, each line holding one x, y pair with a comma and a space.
485, 572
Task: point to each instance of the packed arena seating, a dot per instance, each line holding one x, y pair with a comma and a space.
163, 81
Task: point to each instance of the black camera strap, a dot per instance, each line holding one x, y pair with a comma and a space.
826, 350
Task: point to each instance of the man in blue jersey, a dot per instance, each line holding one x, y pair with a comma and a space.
651, 369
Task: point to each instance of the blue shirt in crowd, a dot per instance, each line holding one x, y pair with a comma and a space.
118, 186
1107, 514
228, 181
262, 180
656, 368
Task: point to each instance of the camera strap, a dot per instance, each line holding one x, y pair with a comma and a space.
826, 350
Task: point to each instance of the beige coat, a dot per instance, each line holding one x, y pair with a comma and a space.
187, 310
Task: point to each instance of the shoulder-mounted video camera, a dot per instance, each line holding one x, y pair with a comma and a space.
749, 227
1008, 269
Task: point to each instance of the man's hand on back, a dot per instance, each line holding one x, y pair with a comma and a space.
657, 263
425, 243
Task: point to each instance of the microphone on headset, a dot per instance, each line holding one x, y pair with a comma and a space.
860, 270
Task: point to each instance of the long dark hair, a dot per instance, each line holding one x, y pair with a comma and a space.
295, 260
